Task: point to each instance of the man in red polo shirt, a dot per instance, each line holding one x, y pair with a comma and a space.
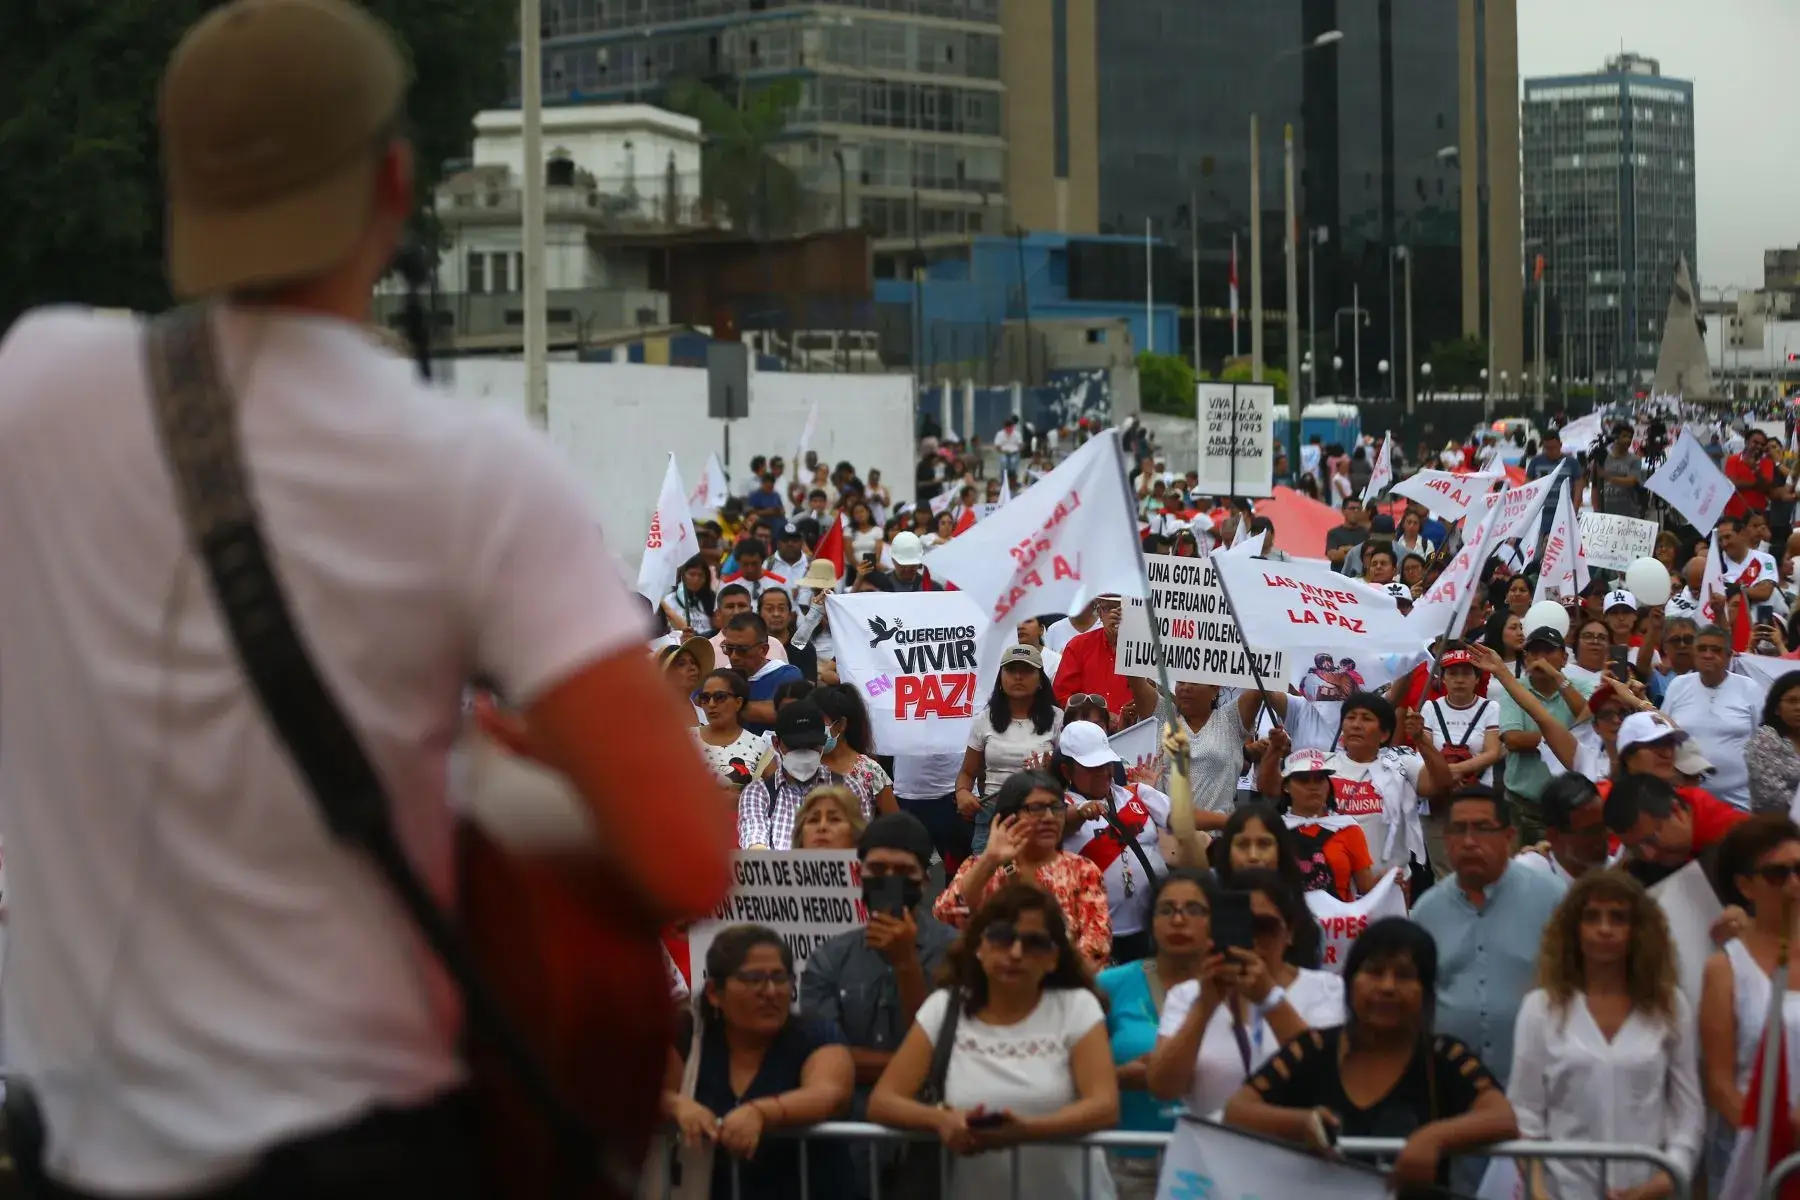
1754, 474
1087, 664
1662, 826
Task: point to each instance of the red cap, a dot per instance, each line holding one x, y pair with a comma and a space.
1457, 658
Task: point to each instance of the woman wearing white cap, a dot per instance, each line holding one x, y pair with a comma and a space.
1119, 829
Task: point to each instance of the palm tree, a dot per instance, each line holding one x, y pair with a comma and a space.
738, 170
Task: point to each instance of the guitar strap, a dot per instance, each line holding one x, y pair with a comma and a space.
196, 420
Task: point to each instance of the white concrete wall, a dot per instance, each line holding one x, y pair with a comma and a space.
618, 423
614, 142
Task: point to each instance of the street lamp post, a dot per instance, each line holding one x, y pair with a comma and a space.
1329, 38
1315, 237
531, 208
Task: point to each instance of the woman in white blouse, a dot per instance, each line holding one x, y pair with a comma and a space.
1019, 726
1605, 1049
1216, 1031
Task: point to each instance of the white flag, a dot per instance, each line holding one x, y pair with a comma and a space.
1690, 482
1069, 538
1306, 606
1520, 508
671, 539
709, 493
1341, 920
1564, 570
1449, 495
1005, 486
806, 434
1712, 580
1445, 605
1212, 1162
1383, 474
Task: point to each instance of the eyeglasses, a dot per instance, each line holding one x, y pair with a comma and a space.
1472, 829
714, 697
1081, 698
1778, 873
1046, 809
1685, 639
1003, 936
1193, 910
759, 980
735, 649
1601, 638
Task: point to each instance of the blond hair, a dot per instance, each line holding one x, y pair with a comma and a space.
848, 802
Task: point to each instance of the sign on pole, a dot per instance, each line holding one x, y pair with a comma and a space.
1616, 542
806, 896
727, 381
1199, 639
1237, 459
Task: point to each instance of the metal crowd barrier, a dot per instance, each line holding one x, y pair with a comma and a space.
854, 1131
1771, 1187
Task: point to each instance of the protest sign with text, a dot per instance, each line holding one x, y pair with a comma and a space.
1447, 494
1615, 542
1383, 474
1057, 545
1341, 922
914, 657
807, 897
1445, 605
1199, 639
1237, 460
1564, 569
1306, 605
1691, 483
1521, 509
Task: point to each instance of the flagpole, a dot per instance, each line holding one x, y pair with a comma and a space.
1483, 550
1234, 296
1771, 1049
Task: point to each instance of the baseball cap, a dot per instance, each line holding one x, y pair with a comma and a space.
788, 530
1457, 658
1021, 653
1307, 762
271, 114
1086, 743
800, 725
907, 550
1398, 591
1646, 728
1620, 598
1546, 635
1689, 760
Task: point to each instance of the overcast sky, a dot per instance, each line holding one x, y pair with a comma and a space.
1738, 54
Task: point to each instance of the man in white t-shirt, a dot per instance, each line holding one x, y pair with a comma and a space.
199, 973
1744, 565
1009, 443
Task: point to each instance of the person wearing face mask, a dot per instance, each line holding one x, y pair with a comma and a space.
768, 808
870, 982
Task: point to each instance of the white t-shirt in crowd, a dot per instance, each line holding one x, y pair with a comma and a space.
1720, 720
1468, 727
1005, 753
1318, 998
1024, 1067
926, 776
1060, 633
1127, 891
1314, 724
1755, 568
1383, 796
1010, 440
196, 968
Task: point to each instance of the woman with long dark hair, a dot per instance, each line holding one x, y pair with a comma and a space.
1773, 752
1018, 727
1031, 1061
691, 603
761, 1069
1604, 1049
1381, 1073
847, 748
1254, 841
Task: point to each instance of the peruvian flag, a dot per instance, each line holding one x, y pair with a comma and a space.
831, 546
1234, 294
1745, 1176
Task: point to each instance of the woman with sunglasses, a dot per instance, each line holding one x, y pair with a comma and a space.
761, 1069
1025, 842
1245, 1003
1031, 1061
1604, 1049
1759, 870
735, 755
1382, 1073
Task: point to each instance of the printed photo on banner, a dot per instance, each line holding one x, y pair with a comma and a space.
1304, 605
915, 657
1068, 538
1615, 542
1341, 922
1199, 639
1237, 432
805, 896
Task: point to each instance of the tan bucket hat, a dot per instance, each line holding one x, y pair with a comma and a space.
271, 113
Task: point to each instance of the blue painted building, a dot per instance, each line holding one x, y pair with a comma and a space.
965, 302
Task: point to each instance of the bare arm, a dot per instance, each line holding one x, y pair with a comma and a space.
1489, 1120
1718, 1039
826, 1081
893, 1101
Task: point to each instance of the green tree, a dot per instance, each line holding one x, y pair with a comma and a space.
1275, 377
1458, 364
1166, 384
739, 170
82, 201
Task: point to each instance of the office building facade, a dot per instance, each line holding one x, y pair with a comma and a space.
1610, 203
1372, 112
903, 125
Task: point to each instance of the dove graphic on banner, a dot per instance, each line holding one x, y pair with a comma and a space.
1564, 569
709, 493
1690, 482
671, 539
1383, 474
1059, 544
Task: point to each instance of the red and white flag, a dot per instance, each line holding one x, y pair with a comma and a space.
1564, 571
1234, 296
1383, 474
1748, 1169
709, 493
670, 541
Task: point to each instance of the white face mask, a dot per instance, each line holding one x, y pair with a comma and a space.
801, 765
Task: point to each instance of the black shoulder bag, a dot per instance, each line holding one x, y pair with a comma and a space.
196, 420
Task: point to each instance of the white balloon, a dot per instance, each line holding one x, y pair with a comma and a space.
1648, 580
1547, 613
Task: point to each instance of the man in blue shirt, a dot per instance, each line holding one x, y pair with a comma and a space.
1551, 460
746, 645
